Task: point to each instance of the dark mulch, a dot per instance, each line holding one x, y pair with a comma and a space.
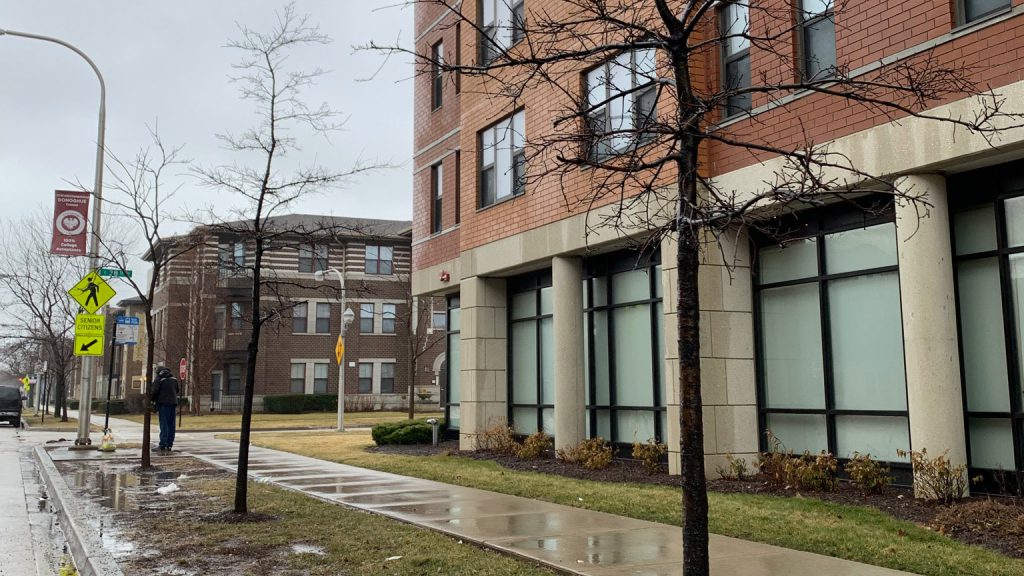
996, 524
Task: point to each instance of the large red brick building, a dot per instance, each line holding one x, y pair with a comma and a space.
870, 334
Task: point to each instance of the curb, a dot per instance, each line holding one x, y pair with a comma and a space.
85, 547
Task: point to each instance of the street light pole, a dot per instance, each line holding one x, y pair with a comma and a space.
346, 318
88, 366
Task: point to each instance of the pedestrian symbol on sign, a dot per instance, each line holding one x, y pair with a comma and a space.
93, 289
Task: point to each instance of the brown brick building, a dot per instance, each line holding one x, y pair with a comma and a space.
201, 313
868, 334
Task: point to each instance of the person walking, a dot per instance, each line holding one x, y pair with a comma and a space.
165, 396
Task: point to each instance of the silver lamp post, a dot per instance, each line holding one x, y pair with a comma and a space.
346, 318
88, 366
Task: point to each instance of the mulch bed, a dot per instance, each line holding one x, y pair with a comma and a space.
996, 524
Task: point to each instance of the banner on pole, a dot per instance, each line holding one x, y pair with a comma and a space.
70, 209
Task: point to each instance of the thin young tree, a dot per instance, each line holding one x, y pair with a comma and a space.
649, 110
266, 186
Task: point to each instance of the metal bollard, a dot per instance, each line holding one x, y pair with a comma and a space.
433, 422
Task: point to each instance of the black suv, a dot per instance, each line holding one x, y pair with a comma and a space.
10, 405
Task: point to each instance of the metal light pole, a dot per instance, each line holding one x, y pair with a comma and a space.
346, 318
88, 366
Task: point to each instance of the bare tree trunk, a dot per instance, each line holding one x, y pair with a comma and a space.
242, 477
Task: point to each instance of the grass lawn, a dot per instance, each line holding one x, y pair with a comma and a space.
52, 422
856, 533
264, 421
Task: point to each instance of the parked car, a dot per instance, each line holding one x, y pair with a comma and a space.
10, 405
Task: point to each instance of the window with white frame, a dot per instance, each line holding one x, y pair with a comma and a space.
298, 378
323, 318
366, 318
365, 378
621, 99
320, 378
734, 20
503, 159
502, 25
300, 318
312, 257
818, 39
388, 315
387, 378
378, 259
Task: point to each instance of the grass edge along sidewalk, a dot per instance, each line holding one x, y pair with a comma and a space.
857, 533
266, 420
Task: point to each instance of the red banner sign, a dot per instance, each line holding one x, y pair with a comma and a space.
70, 223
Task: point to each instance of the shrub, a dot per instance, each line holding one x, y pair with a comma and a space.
535, 446
136, 404
734, 469
592, 454
936, 479
117, 407
805, 472
404, 432
74, 404
871, 476
499, 439
650, 454
285, 403
320, 403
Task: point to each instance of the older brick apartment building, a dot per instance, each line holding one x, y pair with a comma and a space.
868, 334
201, 314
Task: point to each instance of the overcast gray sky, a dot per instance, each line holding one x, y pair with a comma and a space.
165, 62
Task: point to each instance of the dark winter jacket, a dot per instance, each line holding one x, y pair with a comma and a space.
165, 391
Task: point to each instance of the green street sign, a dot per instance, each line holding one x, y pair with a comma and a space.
115, 273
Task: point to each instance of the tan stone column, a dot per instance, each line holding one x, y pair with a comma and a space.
932, 358
484, 387
570, 385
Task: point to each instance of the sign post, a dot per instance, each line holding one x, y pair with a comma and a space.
182, 372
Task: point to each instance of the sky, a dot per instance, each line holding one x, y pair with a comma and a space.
165, 65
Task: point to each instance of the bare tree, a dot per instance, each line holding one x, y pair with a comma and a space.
266, 186
36, 301
643, 173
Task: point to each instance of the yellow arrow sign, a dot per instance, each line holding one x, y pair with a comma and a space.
92, 292
89, 334
339, 349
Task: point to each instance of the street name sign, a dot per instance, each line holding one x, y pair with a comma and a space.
92, 292
127, 330
115, 273
89, 334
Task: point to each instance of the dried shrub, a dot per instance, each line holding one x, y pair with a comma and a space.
650, 454
936, 479
807, 472
871, 476
734, 469
982, 517
592, 454
535, 446
499, 439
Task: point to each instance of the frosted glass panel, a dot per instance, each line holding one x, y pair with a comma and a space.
862, 249
981, 325
601, 352
630, 286
546, 304
454, 367
799, 432
867, 343
991, 444
1014, 208
524, 363
524, 420
660, 358
791, 340
879, 436
547, 361
604, 424
548, 420
634, 426
455, 319
657, 282
524, 305
975, 229
600, 288
1017, 284
797, 259
634, 378
453, 416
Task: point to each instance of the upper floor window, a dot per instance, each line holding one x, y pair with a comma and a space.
503, 159
387, 322
503, 24
220, 313
436, 178
971, 10
818, 39
378, 259
312, 257
300, 318
438, 320
366, 318
734, 20
323, 318
230, 258
621, 97
436, 76
236, 316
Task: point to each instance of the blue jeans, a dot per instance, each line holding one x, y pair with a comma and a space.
166, 413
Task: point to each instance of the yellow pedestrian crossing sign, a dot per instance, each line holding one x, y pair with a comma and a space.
89, 334
339, 349
91, 293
